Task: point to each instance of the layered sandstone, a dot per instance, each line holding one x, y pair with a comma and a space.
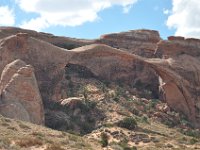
103, 61
177, 65
64, 42
20, 96
139, 42
175, 46
180, 72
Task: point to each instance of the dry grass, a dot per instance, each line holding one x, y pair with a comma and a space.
54, 147
16, 135
29, 142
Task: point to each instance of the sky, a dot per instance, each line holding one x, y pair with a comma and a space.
89, 19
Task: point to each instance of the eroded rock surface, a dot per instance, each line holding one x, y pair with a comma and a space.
177, 64
20, 96
64, 42
179, 70
139, 42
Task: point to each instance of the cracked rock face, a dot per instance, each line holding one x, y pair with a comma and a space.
20, 96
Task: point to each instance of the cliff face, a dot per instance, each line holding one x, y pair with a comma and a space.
134, 59
139, 42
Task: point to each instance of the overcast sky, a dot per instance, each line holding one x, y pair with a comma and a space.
92, 18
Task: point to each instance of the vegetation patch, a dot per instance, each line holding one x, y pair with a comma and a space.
28, 142
128, 123
104, 139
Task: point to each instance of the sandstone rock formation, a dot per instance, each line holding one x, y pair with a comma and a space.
20, 97
103, 61
112, 64
47, 60
139, 42
180, 73
64, 42
177, 64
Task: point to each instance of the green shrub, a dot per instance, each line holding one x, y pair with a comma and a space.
116, 98
193, 141
104, 139
135, 111
192, 133
85, 93
144, 119
124, 144
130, 148
128, 123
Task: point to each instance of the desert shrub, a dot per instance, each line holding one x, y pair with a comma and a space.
54, 147
193, 141
70, 91
90, 104
108, 125
120, 91
85, 93
38, 134
5, 124
73, 138
103, 88
86, 127
130, 148
192, 133
23, 126
124, 144
152, 104
128, 123
7, 120
185, 122
135, 111
28, 142
169, 123
104, 139
12, 128
116, 98
144, 119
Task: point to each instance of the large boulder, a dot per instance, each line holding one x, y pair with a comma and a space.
20, 96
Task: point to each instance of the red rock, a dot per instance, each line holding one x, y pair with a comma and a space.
178, 65
20, 96
175, 38
64, 42
140, 42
